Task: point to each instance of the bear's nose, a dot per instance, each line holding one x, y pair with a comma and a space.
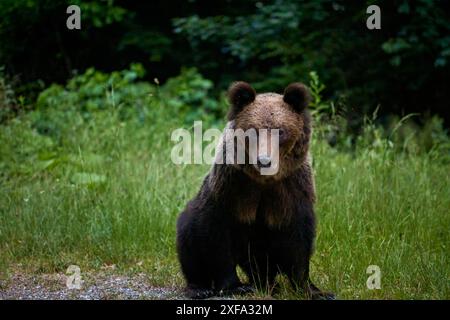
264, 161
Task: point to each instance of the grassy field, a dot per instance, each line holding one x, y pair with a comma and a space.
104, 192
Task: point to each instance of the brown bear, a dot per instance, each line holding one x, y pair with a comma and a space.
264, 224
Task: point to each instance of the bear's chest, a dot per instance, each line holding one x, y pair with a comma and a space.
269, 206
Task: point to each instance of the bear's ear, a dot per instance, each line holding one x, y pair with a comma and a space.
297, 95
240, 94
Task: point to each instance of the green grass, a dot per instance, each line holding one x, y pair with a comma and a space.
374, 207
385, 210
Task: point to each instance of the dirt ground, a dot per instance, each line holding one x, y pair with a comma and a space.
92, 287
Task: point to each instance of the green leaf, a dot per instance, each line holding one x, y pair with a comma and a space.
395, 45
440, 62
46, 164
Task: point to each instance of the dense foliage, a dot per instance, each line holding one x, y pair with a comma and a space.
404, 67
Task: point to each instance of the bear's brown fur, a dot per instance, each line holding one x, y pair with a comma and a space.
263, 223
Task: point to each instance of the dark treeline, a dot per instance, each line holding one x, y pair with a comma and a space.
404, 67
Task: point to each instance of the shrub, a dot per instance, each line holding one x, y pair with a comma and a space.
191, 96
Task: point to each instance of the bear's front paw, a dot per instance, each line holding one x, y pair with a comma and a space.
317, 294
323, 296
198, 293
239, 290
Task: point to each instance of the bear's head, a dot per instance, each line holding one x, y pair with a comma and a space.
282, 125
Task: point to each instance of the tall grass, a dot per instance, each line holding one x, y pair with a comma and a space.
107, 194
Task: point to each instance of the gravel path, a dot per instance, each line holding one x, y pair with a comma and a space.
93, 287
